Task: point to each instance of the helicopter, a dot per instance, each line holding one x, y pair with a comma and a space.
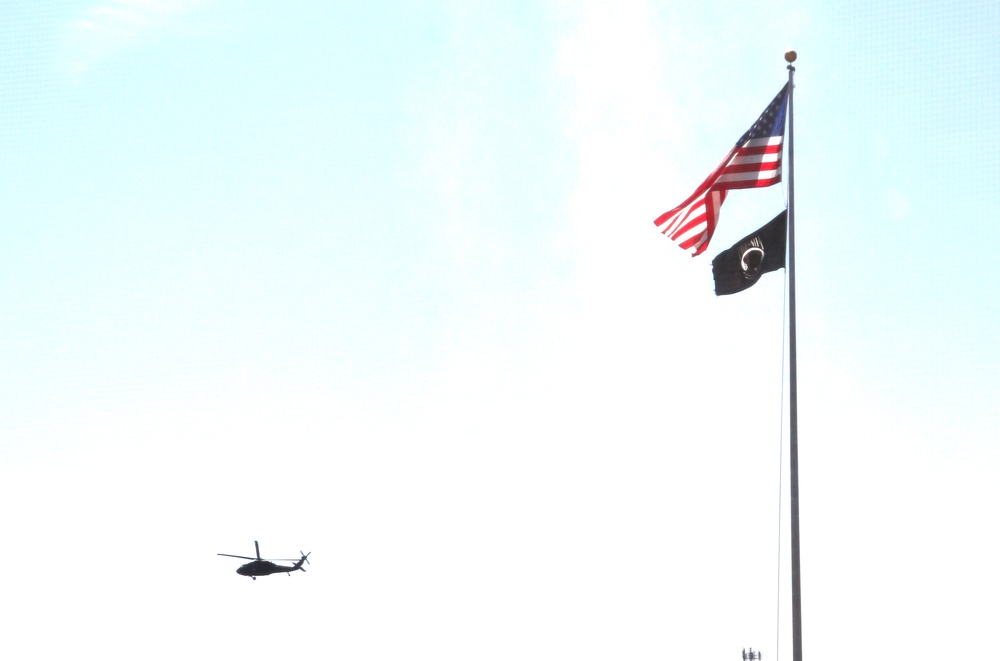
260, 567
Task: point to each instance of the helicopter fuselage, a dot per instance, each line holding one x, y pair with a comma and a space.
265, 568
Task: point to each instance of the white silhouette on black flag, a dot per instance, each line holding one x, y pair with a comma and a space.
742, 265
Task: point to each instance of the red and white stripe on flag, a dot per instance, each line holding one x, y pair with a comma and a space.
754, 164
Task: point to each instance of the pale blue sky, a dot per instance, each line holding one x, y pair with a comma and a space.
383, 284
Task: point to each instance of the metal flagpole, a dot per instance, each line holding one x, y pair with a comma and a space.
793, 414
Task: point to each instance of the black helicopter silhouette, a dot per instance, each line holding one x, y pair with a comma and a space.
261, 567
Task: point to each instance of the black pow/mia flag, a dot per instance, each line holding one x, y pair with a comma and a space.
752, 256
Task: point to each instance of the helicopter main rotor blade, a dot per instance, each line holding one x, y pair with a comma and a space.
256, 546
230, 555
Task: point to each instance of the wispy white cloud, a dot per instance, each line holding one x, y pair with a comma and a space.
118, 24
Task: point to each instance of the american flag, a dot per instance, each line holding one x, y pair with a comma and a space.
754, 162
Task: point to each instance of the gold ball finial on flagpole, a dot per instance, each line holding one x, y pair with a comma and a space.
790, 56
